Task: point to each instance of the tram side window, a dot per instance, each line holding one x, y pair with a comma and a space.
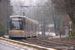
35, 27
27, 26
32, 27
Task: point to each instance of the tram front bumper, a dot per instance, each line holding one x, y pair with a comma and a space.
16, 35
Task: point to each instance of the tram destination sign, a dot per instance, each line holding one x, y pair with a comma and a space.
16, 19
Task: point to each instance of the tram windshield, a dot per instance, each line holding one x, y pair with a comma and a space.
16, 24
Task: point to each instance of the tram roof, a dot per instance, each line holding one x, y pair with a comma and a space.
24, 17
16, 16
31, 20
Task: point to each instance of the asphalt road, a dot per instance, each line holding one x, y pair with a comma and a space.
4, 46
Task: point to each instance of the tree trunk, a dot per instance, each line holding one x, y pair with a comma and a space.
73, 26
71, 14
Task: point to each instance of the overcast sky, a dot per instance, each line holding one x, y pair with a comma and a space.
27, 2
17, 10
29, 12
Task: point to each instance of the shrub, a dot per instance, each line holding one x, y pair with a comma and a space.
73, 34
2, 30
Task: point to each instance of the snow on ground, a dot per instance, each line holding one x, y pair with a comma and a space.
47, 33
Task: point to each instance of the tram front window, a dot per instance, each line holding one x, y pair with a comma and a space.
16, 25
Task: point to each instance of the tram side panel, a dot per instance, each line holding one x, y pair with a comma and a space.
26, 29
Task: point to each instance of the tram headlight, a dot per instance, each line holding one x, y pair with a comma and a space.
9, 31
22, 31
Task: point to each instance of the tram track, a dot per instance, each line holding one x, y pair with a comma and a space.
37, 42
23, 44
53, 44
47, 43
58, 42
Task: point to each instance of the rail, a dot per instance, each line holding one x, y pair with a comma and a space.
58, 42
22, 44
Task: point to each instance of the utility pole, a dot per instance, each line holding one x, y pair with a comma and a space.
43, 31
44, 27
55, 23
54, 19
70, 27
23, 13
7, 17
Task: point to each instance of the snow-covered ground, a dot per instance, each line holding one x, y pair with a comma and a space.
47, 33
52, 35
62, 36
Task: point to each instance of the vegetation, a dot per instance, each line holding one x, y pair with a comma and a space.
0, 0
3, 11
2, 30
72, 36
65, 6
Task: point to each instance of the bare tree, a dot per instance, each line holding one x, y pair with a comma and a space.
66, 6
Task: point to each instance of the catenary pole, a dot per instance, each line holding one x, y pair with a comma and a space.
7, 17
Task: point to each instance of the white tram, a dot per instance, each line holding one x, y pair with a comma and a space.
22, 27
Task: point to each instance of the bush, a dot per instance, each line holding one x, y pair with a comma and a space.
73, 34
2, 30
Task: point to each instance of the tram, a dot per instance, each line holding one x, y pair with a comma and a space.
22, 27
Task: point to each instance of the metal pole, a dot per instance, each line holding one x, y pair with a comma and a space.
55, 23
70, 30
60, 34
44, 26
23, 13
7, 17
54, 18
